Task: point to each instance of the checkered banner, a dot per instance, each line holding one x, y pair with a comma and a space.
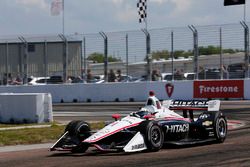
142, 10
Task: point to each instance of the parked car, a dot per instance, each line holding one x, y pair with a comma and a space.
236, 70
37, 80
167, 76
45, 80
189, 75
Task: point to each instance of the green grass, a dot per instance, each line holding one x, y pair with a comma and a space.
30, 136
35, 135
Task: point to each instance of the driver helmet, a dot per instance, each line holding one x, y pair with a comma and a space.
153, 101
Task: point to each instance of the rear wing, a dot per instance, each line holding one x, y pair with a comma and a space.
203, 105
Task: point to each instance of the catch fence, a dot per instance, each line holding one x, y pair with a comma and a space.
176, 53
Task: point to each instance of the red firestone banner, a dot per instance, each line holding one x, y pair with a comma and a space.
219, 89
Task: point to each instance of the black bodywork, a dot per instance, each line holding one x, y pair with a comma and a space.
203, 129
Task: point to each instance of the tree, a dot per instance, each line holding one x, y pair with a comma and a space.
164, 54
157, 55
182, 53
208, 50
99, 58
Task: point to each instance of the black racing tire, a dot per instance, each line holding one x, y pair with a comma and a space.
220, 128
70, 127
153, 135
78, 131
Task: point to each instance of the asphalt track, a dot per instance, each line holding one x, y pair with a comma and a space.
234, 152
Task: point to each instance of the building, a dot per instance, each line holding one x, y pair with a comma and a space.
36, 57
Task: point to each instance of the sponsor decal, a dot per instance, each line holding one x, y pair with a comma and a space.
219, 89
189, 103
204, 116
169, 89
211, 134
207, 123
177, 128
138, 146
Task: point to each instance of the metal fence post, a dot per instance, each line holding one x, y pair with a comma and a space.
172, 53
246, 42
148, 56
45, 60
7, 62
127, 54
84, 59
25, 57
196, 49
221, 53
105, 55
65, 57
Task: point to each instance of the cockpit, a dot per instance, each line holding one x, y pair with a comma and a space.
151, 107
140, 114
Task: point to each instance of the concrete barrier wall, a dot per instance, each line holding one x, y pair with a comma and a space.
113, 91
106, 91
25, 108
247, 89
34, 103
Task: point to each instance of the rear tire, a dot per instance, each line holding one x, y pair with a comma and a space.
220, 128
153, 135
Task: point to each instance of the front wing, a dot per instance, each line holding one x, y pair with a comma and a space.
133, 143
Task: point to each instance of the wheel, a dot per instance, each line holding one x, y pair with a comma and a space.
220, 128
153, 135
78, 131
70, 127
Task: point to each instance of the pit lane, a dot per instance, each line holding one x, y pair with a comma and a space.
234, 151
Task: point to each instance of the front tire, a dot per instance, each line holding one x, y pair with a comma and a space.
153, 135
78, 131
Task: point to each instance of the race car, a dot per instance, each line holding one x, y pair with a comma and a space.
150, 128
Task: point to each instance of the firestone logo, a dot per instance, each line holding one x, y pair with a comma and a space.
219, 89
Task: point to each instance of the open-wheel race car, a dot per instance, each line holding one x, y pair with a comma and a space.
150, 128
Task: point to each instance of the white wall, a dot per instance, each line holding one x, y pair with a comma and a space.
106, 91
247, 89
25, 105
25, 108
111, 91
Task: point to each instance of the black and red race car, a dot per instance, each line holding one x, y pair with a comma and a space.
150, 128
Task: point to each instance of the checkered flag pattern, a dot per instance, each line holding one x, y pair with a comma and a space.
142, 10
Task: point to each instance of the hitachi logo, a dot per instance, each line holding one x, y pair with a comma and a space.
189, 103
177, 128
218, 89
